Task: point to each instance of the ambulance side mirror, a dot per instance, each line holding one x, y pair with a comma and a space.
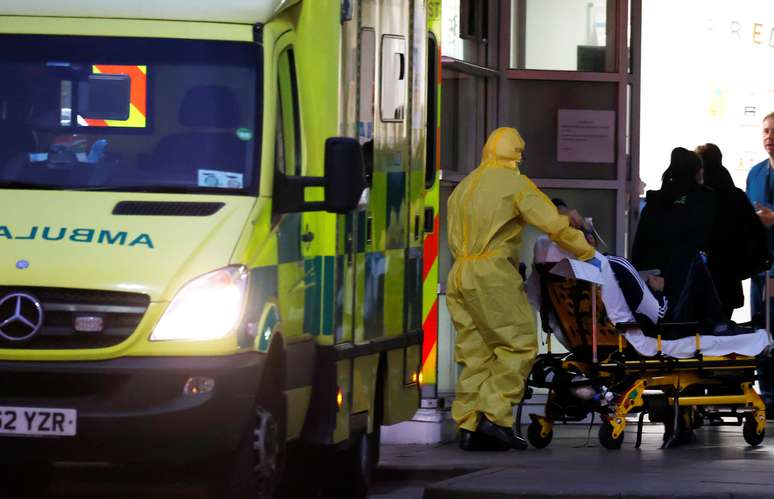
344, 174
343, 183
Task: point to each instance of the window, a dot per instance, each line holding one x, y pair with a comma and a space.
432, 112
463, 114
365, 122
393, 78
279, 144
474, 19
123, 114
288, 117
568, 35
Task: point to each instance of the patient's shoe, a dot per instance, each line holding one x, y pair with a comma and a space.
475, 441
501, 433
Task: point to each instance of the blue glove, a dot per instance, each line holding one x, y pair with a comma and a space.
97, 151
595, 262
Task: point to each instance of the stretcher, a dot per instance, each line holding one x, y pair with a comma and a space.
616, 371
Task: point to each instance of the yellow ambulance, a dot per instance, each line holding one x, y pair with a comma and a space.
212, 217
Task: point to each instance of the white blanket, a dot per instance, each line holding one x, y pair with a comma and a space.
714, 346
618, 311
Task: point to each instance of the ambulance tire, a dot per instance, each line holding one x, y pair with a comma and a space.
355, 466
25, 480
255, 469
242, 475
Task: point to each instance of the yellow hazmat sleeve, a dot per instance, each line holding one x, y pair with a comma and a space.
536, 209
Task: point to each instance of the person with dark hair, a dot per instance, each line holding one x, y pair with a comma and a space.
559, 203
739, 248
715, 175
675, 226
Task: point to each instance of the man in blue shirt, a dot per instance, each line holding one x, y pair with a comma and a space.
760, 190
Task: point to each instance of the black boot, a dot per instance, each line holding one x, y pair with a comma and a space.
501, 433
476, 441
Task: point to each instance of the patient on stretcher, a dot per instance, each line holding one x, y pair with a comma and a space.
628, 298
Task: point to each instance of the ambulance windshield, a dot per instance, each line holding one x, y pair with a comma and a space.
129, 114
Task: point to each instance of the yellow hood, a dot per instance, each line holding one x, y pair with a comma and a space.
73, 240
504, 147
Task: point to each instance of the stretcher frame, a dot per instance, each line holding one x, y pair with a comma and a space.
670, 376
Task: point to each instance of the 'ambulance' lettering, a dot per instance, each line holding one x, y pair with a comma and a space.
79, 235
142, 239
47, 234
33, 233
82, 235
106, 236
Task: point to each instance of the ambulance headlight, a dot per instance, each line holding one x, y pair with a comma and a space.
207, 308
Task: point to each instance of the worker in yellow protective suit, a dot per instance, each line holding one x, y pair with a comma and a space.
496, 331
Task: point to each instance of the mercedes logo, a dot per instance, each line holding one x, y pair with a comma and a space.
21, 316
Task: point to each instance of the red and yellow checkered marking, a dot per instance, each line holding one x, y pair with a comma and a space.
430, 262
430, 307
137, 96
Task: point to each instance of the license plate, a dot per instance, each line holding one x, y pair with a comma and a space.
38, 421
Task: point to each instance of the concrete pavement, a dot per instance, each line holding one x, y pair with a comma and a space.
718, 464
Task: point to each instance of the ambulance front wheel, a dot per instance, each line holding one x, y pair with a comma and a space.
255, 469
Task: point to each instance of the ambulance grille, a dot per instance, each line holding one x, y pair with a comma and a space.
119, 312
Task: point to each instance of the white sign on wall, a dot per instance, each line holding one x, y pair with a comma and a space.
585, 136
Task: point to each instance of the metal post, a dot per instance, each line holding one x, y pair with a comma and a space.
594, 322
767, 297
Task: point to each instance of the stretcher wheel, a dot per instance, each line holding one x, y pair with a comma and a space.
749, 431
606, 437
535, 438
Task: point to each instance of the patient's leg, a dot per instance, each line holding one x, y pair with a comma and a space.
648, 307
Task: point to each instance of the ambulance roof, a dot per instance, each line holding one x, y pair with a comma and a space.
227, 11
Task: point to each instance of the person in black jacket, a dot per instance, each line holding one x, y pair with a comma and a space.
676, 227
739, 248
